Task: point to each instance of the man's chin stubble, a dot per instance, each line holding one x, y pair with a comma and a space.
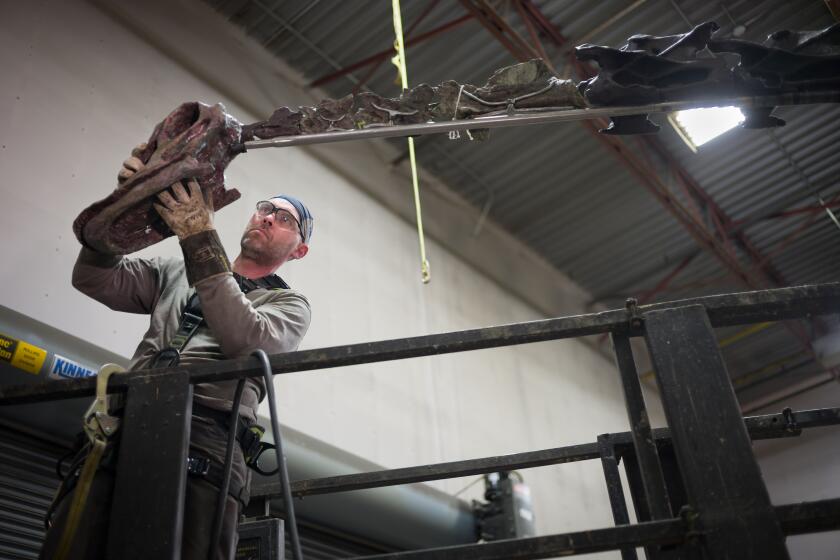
247, 251
256, 255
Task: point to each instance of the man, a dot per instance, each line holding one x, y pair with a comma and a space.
245, 307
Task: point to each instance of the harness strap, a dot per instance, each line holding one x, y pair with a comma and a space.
192, 318
83, 487
99, 426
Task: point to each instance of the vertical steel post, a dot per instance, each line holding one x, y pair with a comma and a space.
609, 462
725, 489
653, 481
148, 505
665, 453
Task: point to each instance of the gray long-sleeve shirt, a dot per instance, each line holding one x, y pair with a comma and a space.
235, 323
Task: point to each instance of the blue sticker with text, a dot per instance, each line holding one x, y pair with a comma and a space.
65, 368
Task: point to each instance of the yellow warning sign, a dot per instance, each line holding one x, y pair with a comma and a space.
29, 358
21, 354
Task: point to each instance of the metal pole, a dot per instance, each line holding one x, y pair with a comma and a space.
151, 480
653, 481
723, 310
618, 503
722, 478
523, 118
283, 469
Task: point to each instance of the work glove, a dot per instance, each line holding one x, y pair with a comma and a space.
187, 213
132, 165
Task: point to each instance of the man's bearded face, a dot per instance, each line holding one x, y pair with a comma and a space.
266, 240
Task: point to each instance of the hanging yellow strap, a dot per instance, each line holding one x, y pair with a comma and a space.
399, 62
80, 496
99, 427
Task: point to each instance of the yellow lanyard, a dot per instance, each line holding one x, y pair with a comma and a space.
399, 62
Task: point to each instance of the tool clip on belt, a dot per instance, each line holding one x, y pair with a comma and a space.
248, 436
212, 472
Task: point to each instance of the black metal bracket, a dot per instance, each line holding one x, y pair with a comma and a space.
635, 320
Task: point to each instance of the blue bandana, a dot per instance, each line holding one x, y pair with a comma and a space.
307, 221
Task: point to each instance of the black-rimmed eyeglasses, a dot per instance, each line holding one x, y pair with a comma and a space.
283, 217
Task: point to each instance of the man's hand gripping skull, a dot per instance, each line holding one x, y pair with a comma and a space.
188, 212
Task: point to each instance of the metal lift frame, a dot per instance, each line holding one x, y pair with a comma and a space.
696, 486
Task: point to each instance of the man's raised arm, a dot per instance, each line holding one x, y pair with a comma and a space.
123, 284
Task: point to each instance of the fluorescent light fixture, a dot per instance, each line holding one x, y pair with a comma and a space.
698, 126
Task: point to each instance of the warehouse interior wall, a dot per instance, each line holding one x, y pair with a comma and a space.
84, 82
805, 469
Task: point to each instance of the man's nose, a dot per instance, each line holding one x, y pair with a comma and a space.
268, 219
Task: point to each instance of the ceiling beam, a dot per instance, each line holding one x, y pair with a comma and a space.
526, 18
384, 54
269, 13
814, 382
500, 29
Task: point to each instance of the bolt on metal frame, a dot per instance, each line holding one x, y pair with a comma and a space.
696, 486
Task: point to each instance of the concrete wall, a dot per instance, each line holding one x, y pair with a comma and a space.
83, 83
805, 468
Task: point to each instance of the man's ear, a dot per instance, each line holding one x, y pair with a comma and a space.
300, 251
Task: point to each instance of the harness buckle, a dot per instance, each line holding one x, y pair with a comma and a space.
98, 424
198, 466
253, 462
249, 440
168, 357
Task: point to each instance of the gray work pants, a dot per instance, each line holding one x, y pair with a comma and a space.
208, 439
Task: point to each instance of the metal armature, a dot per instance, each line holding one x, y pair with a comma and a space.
506, 118
695, 486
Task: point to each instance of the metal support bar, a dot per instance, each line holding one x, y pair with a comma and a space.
627, 455
794, 519
537, 117
439, 471
721, 475
152, 473
653, 481
582, 542
618, 504
809, 517
760, 427
723, 310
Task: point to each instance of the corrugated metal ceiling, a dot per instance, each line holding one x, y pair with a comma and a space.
555, 187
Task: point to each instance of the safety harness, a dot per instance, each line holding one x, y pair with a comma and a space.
248, 436
192, 318
101, 425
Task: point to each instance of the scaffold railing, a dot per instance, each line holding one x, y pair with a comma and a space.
695, 486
